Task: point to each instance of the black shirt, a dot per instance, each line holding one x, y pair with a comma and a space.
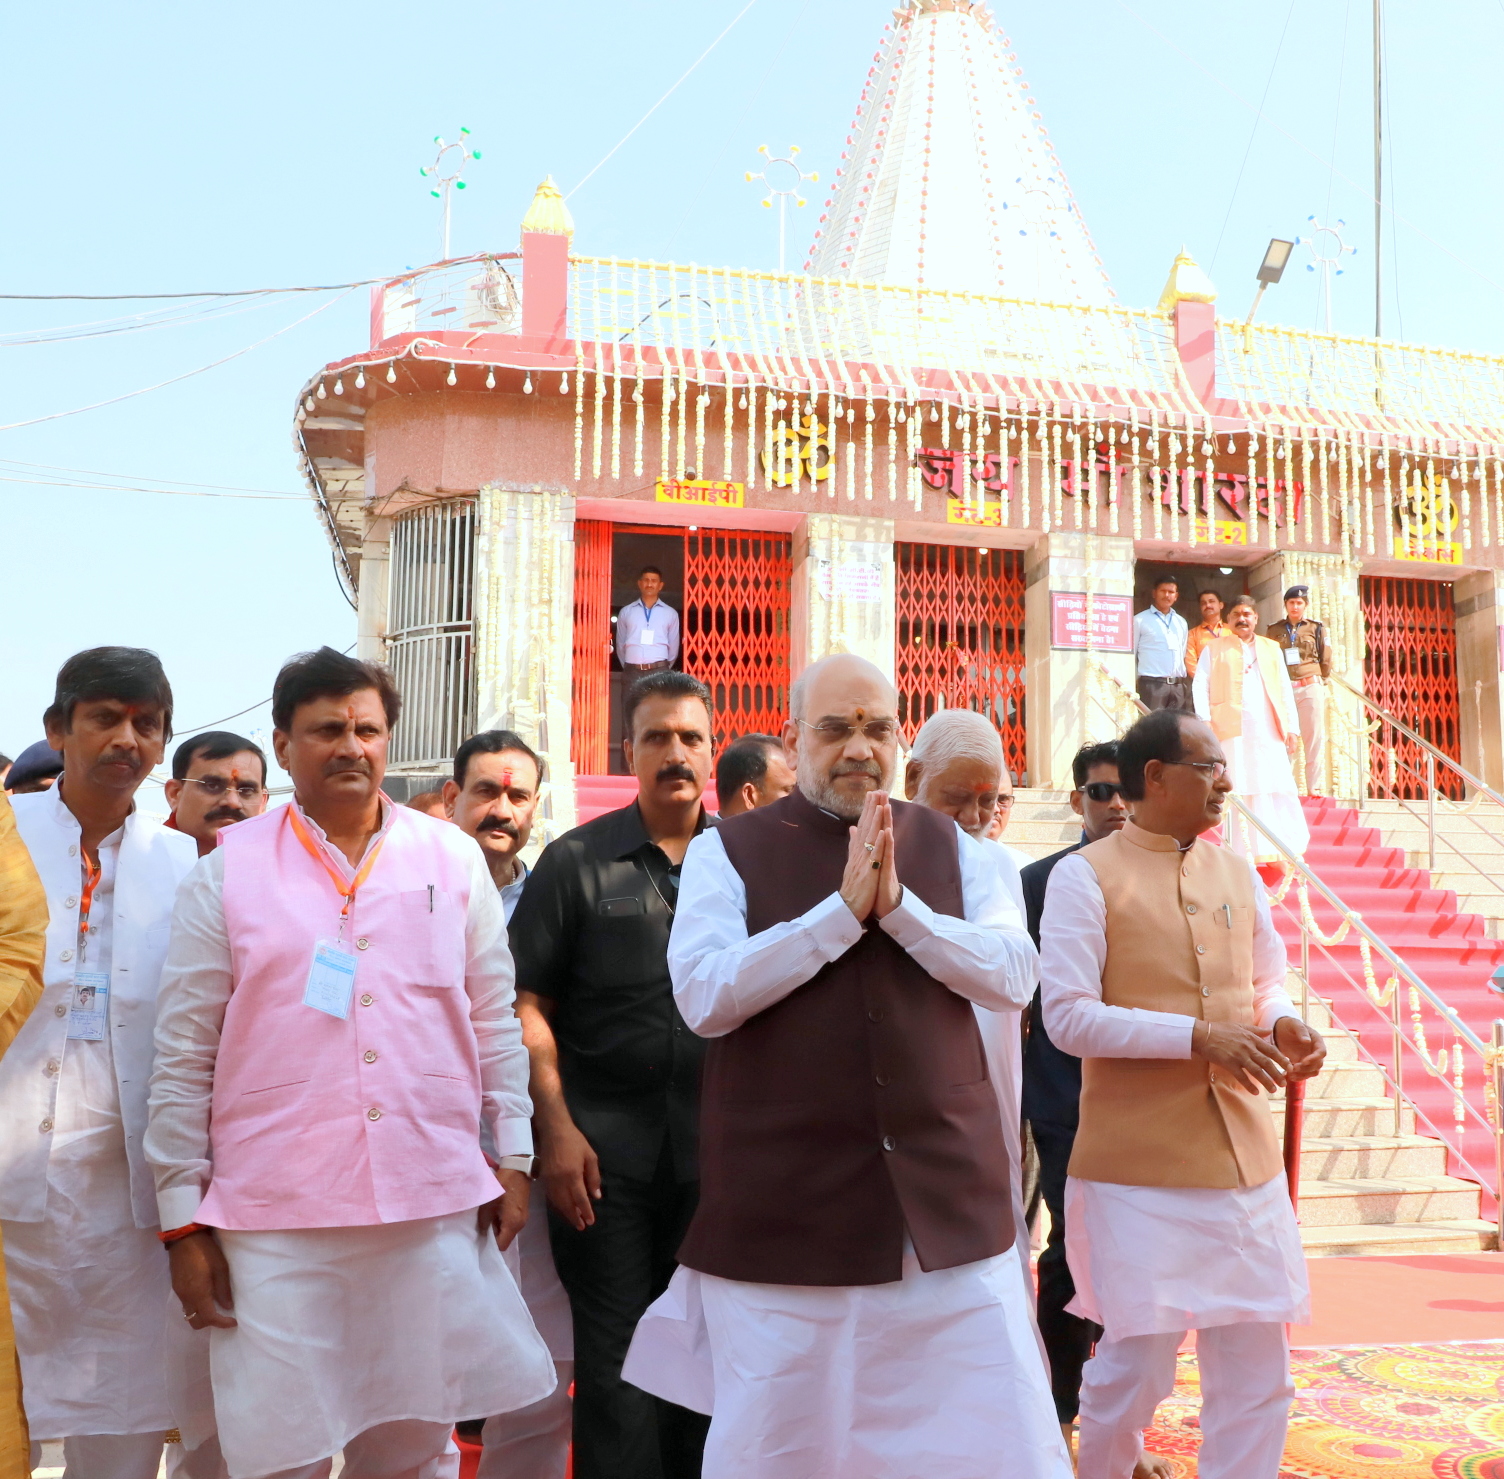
590, 932
1052, 1078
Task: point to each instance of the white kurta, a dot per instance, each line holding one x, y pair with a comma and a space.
935, 1373
299, 1376
89, 1288
1258, 762
1156, 1259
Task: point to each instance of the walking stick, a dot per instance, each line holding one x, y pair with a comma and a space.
1295, 1101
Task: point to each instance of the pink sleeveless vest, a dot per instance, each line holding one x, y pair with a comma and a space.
318, 1122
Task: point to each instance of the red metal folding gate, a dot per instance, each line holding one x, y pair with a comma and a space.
1411, 670
590, 717
735, 625
960, 627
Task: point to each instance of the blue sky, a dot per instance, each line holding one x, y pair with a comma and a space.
168, 147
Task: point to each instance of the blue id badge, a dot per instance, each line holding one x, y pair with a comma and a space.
331, 979
89, 1009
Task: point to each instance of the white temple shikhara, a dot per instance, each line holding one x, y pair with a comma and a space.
949, 179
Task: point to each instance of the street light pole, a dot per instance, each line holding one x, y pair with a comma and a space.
782, 196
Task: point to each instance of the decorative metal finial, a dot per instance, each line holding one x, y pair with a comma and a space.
1327, 249
453, 157
792, 177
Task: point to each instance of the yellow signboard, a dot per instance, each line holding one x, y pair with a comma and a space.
1223, 531
1418, 547
701, 492
987, 514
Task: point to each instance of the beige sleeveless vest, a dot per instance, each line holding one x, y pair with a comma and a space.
1179, 939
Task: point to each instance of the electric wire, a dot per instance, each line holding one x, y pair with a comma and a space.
187, 375
661, 101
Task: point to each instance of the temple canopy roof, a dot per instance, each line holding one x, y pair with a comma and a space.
950, 180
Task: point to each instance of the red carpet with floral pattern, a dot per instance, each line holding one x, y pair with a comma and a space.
1390, 1412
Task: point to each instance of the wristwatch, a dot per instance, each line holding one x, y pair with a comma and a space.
523, 1163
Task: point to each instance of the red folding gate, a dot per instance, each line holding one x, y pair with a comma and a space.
736, 625
734, 629
590, 717
1411, 670
960, 633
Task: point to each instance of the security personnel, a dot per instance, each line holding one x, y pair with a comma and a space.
1308, 655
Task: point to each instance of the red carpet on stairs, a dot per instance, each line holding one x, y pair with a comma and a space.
1449, 951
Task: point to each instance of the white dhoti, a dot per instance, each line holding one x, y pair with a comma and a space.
533, 1442
89, 1288
1151, 1263
938, 1374
342, 1329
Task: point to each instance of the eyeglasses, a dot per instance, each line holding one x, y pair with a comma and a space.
833, 732
212, 785
1214, 769
1100, 791
1004, 802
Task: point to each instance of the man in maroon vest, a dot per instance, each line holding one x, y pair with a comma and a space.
849, 1302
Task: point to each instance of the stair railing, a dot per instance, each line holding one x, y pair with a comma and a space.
1426, 779
1385, 1000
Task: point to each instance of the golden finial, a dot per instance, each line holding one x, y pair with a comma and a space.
1187, 283
548, 213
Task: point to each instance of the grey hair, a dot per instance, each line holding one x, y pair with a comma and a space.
954, 734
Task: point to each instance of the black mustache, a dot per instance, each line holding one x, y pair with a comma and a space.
340, 767
507, 829
676, 772
120, 757
225, 814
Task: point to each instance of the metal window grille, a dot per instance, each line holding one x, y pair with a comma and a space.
431, 630
960, 632
736, 626
590, 719
1410, 669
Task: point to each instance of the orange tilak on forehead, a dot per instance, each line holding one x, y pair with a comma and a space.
506, 777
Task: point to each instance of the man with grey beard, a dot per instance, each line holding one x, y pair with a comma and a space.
849, 1301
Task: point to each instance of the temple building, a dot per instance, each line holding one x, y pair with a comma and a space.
945, 445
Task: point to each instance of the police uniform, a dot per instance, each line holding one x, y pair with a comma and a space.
1308, 655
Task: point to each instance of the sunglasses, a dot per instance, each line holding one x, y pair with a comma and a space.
1100, 791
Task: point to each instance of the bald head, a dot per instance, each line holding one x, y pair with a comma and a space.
956, 766
843, 733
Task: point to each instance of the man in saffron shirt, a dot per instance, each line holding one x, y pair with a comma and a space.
336, 1015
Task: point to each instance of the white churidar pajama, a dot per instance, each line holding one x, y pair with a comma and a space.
935, 1374
1258, 763
345, 1330
1152, 1262
89, 1289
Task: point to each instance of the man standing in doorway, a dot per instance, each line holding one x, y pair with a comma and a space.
1207, 630
1162, 969
88, 1281
647, 631
1308, 656
338, 999
1159, 638
493, 797
752, 772
218, 779
616, 1073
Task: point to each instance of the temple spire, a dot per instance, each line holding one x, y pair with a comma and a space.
949, 180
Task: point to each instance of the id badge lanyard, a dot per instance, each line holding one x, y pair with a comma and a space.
346, 891
93, 872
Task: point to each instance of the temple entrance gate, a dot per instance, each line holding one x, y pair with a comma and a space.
960, 638
1410, 669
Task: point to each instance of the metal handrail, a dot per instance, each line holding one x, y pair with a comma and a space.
1423, 742
1488, 1054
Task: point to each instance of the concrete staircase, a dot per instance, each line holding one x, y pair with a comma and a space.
1476, 835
